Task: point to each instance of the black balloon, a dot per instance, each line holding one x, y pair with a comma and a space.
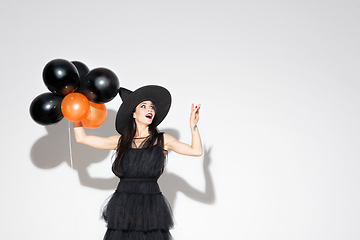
82, 69
100, 85
45, 109
61, 77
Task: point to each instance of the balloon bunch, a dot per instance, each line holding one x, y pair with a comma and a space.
76, 93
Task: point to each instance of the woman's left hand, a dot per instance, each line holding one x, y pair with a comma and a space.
194, 116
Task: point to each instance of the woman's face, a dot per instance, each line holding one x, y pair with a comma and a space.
144, 112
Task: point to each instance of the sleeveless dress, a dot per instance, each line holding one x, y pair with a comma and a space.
138, 210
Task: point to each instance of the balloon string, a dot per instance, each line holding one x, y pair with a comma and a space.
73, 188
71, 159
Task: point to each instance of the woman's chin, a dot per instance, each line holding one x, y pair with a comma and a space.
146, 121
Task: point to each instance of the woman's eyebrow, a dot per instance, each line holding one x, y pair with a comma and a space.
145, 103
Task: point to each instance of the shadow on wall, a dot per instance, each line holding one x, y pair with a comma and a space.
53, 149
171, 183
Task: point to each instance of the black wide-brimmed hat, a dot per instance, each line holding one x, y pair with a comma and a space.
160, 96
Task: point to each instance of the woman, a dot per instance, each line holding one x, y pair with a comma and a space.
137, 209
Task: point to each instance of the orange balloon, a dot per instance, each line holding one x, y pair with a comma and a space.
96, 117
75, 107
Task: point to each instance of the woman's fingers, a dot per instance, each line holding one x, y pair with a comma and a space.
195, 113
197, 108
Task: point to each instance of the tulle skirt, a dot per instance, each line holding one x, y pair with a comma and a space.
138, 211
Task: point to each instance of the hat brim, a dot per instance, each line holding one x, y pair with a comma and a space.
160, 96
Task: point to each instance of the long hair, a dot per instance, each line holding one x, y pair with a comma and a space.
125, 141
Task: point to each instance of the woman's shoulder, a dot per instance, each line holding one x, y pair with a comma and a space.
167, 137
115, 139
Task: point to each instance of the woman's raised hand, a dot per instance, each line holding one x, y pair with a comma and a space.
195, 149
194, 116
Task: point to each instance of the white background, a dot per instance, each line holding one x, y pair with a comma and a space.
279, 86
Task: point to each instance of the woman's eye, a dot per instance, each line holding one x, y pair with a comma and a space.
142, 106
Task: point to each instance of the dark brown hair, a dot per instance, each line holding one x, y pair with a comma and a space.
125, 141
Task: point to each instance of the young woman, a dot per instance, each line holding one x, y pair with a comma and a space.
137, 209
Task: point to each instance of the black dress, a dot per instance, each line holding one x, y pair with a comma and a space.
138, 210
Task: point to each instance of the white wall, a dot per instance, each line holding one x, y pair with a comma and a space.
279, 86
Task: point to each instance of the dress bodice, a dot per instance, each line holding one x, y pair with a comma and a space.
144, 162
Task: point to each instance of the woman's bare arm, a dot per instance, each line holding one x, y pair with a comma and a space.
107, 143
195, 149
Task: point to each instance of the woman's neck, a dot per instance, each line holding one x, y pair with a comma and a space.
141, 131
